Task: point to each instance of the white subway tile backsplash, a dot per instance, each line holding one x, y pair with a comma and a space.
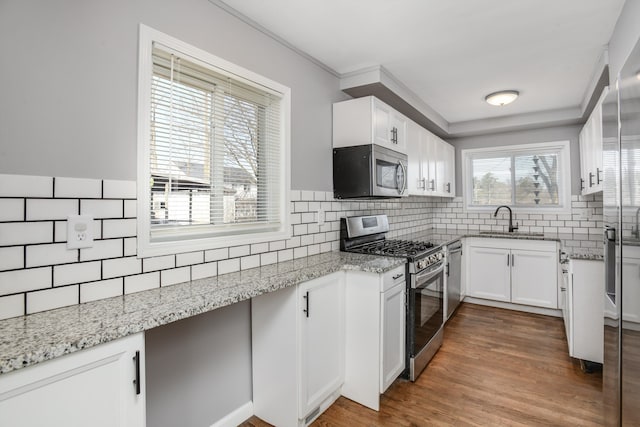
306, 195
174, 276
21, 233
285, 255
268, 258
11, 210
101, 208
229, 266
130, 208
115, 189
141, 282
259, 248
25, 186
15, 281
248, 262
121, 267
51, 254
77, 188
102, 249
52, 298
76, 273
295, 195
118, 228
158, 263
101, 289
189, 258
11, 306
201, 271
216, 254
277, 245
130, 246
48, 209
11, 258
238, 251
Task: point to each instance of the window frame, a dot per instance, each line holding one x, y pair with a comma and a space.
188, 240
564, 175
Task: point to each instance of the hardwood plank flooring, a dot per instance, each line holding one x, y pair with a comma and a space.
496, 367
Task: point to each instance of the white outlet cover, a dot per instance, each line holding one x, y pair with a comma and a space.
79, 231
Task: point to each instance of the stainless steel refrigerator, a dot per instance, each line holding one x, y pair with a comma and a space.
621, 215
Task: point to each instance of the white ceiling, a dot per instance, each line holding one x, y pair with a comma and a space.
453, 53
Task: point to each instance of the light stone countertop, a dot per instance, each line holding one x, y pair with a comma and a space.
28, 340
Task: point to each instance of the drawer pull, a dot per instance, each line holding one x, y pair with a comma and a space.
397, 276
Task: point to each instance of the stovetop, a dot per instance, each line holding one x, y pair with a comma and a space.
397, 248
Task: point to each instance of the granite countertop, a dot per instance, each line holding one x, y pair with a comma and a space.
576, 246
35, 338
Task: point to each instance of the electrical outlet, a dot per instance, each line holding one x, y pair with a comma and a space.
79, 231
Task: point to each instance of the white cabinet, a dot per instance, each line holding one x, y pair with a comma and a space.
590, 137
91, 387
488, 275
583, 310
512, 270
631, 290
431, 170
375, 334
298, 338
368, 120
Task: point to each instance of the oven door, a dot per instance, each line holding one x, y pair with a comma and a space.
390, 172
426, 306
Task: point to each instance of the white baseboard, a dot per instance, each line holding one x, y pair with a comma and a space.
516, 307
236, 417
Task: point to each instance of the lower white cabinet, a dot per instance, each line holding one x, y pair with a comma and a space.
513, 270
631, 288
298, 338
375, 334
93, 387
583, 310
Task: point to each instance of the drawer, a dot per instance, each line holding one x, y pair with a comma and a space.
394, 277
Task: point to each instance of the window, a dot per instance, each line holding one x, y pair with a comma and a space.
213, 151
532, 177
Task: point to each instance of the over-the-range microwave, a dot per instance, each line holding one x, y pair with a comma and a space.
369, 171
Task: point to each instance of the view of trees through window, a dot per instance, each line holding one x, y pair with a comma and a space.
517, 180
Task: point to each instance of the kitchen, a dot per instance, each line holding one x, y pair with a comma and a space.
90, 51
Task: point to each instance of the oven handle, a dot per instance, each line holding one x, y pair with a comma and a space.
425, 276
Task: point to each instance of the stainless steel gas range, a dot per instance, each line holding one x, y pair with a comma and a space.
425, 283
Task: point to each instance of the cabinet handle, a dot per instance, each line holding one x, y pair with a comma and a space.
581, 184
394, 135
448, 187
397, 276
590, 179
507, 260
563, 289
306, 297
136, 382
432, 185
513, 260
598, 179
447, 270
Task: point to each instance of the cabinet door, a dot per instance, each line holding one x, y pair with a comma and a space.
488, 273
596, 148
382, 124
430, 161
321, 317
631, 290
90, 387
584, 161
449, 184
393, 335
415, 181
534, 278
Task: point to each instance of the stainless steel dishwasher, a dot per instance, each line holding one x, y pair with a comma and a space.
454, 265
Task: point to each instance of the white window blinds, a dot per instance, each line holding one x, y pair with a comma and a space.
215, 151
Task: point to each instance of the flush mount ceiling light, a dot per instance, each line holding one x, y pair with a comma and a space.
501, 98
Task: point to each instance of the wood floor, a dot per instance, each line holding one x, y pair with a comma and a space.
496, 367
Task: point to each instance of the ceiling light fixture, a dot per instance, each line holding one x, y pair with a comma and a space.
501, 98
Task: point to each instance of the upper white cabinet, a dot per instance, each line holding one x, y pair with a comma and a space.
511, 270
368, 120
97, 386
298, 336
431, 170
591, 170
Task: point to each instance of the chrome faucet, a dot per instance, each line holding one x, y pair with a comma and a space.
512, 227
635, 232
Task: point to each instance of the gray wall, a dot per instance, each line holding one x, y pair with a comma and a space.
559, 133
69, 86
190, 381
624, 37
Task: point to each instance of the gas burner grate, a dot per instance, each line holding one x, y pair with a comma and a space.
400, 248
